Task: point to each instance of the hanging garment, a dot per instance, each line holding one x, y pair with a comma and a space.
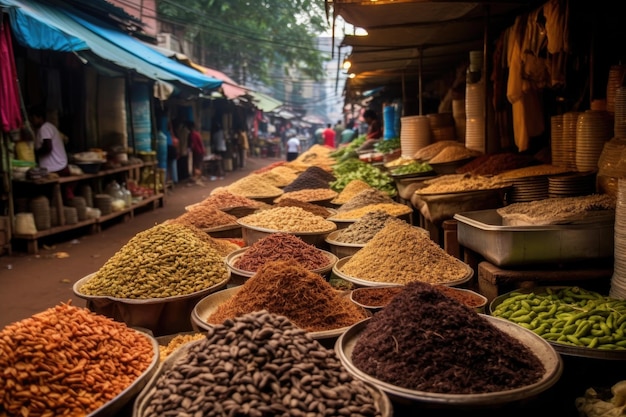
10, 114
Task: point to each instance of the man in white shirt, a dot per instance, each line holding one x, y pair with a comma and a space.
49, 146
293, 148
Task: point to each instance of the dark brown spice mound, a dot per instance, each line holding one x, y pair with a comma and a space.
426, 341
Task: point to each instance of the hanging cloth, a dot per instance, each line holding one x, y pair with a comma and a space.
10, 114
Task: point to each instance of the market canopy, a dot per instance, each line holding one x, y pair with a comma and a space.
264, 102
40, 26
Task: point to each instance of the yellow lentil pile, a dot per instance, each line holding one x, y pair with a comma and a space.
68, 361
176, 342
205, 217
164, 261
350, 190
400, 254
394, 209
288, 219
308, 195
253, 185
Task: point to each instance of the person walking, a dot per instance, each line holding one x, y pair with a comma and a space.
197, 152
329, 136
293, 148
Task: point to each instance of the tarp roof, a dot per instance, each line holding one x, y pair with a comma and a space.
264, 102
40, 26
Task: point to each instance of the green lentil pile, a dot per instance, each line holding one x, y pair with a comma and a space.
166, 260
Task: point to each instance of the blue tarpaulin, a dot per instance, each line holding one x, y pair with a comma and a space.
41, 26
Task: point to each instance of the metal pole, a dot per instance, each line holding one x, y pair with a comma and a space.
420, 49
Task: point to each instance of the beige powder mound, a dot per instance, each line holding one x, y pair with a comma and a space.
253, 185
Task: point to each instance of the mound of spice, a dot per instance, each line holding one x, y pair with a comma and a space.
425, 341
310, 207
366, 197
267, 367
205, 217
312, 177
365, 228
451, 154
288, 219
176, 342
68, 361
401, 253
454, 183
277, 179
394, 209
222, 199
497, 163
350, 190
375, 296
165, 260
309, 195
253, 185
468, 298
289, 289
281, 247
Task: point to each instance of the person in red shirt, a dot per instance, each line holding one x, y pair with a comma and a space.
329, 136
197, 151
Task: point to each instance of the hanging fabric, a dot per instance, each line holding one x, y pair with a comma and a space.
10, 114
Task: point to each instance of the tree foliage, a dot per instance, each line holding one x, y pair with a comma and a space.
253, 38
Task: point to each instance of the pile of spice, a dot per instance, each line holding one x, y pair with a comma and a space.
288, 219
400, 254
281, 247
468, 298
309, 195
375, 296
350, 190
532, 171
165, 260
258, 364
394, 209
452, 154
429, 151
455, 183
316, 156
68, 361
290, 290
279, 176
223, 200
312, 177
310, 207
253, 185
176, 342
364, 229
223, 246
496, 163
425, 341
205, 217
364, 198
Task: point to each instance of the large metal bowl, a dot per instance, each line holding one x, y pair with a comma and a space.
112, 407
341, 249
251, 234
161, 316
207, 306
366, 283
242, 275
550, 359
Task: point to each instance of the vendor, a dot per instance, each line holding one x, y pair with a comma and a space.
49, 146
374, 130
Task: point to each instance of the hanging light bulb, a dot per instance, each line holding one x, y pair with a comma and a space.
346, 64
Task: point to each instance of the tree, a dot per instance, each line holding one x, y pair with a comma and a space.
250, 39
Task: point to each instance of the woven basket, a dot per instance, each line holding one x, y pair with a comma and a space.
40, 207
80, 204
71, 215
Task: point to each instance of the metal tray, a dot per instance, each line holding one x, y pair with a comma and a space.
551, 360
483, 232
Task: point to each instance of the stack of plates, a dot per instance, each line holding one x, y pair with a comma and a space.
556, 141
620, 113
414, 134
572, 185
618, 281
71, 215
475, 100
527, 189
87, 193
104, 203
616, 73
595, 128
458, 114
475, 134
442, 126
611, 163
80, 204
568, 142
40, 207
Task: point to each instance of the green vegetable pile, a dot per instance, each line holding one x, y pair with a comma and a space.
348, 151
355, 169
387, 146
412, 168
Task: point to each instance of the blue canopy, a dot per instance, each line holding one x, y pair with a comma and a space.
40, 26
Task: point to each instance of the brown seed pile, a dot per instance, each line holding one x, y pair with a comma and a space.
350, 190
281, 247
288, 219
496, 163
364, 198
68, 361
165, 260
253, 185
223, 199
309, 195
288, 289
205, 217
394, 209
310, 207
400, 254
425, 341
364, 229
312, 177
257, 365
